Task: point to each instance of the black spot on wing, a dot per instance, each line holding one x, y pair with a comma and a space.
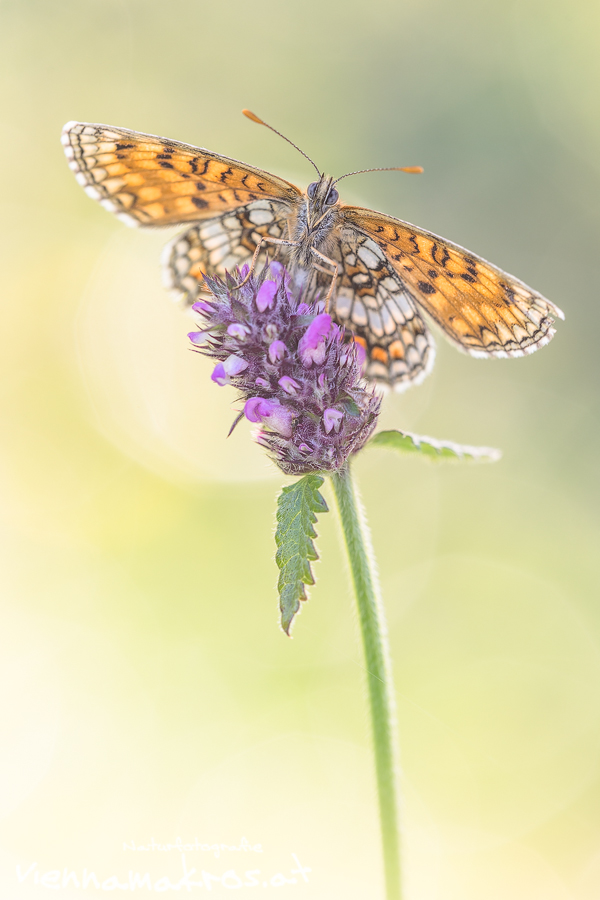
194, 166
426, 288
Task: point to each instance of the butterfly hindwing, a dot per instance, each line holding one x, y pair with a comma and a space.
373, 303
217, 245
151, 181
480, 308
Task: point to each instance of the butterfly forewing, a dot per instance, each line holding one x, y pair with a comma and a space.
481, 309
148, 180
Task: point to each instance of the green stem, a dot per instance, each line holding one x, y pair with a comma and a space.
379, 677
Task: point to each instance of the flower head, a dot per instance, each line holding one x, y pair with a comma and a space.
298, 375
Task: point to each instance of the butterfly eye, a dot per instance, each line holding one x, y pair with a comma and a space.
311, 190
332, 197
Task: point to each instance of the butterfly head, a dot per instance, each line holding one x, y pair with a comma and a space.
322, 196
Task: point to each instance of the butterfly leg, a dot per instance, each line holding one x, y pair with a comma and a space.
334, 275
264, 240
252, 265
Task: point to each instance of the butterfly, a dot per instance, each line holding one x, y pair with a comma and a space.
384, 276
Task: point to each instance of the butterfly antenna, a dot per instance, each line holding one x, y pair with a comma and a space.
412, 170
253, 118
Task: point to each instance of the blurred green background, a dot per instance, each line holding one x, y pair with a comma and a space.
147, 689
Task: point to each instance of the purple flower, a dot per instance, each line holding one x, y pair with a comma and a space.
270, 413
219, 375
238, 331
312, 344
225, 371
332, 419
279, 272
282, 276
203, 307
277, 351
234, 365
198, 337
289, 385
266, 295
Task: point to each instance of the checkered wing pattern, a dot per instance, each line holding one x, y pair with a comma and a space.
373, 302
148, 180
218, 245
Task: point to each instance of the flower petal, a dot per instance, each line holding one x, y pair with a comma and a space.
266, 295
219, 375
271, 413
289, 385
311, 346
251, 409
237, 330
277, 351
233, 365
198, 337
203, 307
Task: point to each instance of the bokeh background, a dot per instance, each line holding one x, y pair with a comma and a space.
147, 691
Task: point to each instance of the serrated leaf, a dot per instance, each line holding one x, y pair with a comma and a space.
297, 506
406, 442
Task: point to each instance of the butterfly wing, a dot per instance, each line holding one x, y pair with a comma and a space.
214, 246
373, 303
480, 308
151, 181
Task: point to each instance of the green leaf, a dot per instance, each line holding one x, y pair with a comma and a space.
297, 506
405, 442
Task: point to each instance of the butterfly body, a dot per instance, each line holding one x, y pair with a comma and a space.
387, 272
311, 227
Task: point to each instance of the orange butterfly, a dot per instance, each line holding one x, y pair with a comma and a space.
385, 272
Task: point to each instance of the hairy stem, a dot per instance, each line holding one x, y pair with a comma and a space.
378, 670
